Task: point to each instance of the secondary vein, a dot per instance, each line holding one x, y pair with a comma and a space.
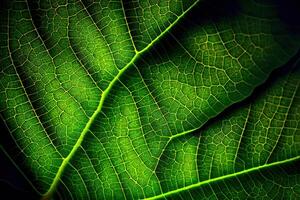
104, 95
193, 186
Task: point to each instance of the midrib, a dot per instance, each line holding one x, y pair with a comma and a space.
105, 93
253, 169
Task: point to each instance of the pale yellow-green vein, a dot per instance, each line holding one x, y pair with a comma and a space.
104, 95
253, 169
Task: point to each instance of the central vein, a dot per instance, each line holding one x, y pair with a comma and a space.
66, 160
105, 93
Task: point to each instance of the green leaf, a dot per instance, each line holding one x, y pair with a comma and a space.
251, 150
133, 99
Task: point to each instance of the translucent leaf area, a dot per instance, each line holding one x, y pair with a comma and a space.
150, 99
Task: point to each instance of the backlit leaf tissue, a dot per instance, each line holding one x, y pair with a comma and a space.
150, 99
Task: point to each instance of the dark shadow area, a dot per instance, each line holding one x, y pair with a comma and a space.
289, 13
4, 4
292, 65
213, 10
13, 184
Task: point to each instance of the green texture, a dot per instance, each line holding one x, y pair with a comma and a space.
152, 99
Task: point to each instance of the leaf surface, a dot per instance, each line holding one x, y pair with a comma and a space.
112, 99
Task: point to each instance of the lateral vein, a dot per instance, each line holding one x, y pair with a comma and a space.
192, 186
104, 95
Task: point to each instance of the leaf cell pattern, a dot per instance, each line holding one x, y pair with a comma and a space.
111, 99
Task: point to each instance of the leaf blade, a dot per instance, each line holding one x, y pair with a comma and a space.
141, 126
